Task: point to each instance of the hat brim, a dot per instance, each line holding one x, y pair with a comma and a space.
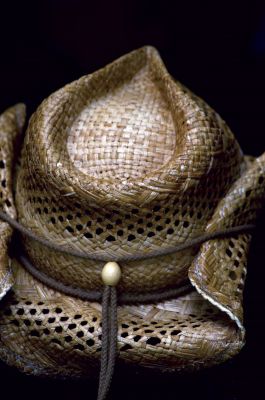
11, 125
45, 332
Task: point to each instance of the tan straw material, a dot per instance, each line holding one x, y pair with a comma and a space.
122, 161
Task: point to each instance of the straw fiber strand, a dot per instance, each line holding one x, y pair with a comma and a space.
121, 161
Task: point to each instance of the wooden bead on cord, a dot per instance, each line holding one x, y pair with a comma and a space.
111, 273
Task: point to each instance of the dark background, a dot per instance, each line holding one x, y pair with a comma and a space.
215, 48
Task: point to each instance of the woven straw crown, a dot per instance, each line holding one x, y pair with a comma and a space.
121, 161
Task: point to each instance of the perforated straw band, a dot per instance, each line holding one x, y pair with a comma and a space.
130, 257
109, 296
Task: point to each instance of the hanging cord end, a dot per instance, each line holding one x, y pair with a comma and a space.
111, 274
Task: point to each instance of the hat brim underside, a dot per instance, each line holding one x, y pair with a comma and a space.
48, 333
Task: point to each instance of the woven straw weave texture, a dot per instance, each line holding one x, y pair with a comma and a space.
126, 160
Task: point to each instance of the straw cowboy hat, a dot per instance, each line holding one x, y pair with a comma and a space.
134, 206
